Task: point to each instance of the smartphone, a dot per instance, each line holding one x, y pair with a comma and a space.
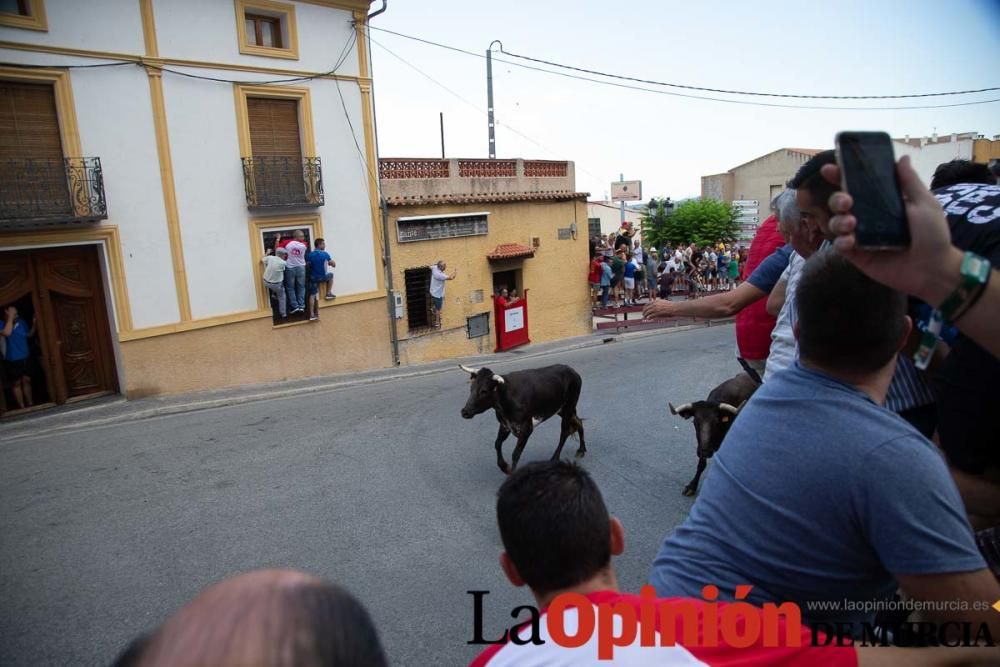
868, 174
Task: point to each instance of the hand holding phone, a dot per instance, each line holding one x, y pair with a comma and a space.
868, 174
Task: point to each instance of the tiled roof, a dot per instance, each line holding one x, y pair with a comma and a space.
805, 151
510, 251
552, 195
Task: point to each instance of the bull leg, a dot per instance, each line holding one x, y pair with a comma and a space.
522, 440
564, 433
501, 436
581, 451
692, 487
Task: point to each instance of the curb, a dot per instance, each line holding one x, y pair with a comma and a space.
389, 376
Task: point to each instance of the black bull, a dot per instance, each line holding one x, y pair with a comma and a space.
522, 400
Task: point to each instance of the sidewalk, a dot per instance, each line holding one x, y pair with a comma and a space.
117, 409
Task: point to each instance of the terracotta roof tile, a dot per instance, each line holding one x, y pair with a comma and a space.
510, 251
421, 200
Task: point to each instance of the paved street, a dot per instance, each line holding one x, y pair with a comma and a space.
382, 488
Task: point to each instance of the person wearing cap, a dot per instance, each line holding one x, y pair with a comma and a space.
275, 262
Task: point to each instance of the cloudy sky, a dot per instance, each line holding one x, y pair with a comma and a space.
846, 48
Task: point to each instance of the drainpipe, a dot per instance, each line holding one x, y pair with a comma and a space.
383, 206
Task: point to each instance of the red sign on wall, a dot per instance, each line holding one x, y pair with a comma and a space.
511, 323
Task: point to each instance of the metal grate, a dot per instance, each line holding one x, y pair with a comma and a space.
418, 301
283, 181
441, 228
478, 325
44, 191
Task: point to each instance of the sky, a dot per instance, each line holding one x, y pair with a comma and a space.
669, 142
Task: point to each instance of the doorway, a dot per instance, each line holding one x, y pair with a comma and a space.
59, 295
509, 280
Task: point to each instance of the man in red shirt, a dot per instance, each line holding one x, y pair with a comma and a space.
558, 539
594, 278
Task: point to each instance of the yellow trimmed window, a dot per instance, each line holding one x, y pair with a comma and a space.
266, 28
29, 14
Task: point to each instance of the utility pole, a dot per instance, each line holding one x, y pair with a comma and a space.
621, 177
441, 114
489, 98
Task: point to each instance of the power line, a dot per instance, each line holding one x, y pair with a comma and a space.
684, 95
742, 92
472, 104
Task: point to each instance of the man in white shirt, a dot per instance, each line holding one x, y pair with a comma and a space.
438, 278
274, 277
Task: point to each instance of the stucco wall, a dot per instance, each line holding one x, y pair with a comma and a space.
558, 300
611, 216
350, 337
755, 179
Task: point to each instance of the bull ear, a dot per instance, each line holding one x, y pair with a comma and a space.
498, 379
683, 411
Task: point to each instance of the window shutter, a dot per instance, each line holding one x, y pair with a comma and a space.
29, 124
274, 127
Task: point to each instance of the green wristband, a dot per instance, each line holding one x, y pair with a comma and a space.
974, 275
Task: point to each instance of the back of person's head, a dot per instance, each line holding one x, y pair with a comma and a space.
846, 320
961, 171
554, 525
268, 617
809, 178
298, 235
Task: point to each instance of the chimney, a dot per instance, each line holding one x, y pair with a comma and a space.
954, 137
923, 141
980, 136
934, 136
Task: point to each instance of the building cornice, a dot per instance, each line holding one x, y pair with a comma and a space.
179, 62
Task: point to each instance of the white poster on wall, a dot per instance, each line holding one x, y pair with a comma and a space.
513, 319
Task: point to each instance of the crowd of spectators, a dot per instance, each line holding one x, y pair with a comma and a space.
622, 272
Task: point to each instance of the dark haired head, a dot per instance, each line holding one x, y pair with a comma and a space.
846, 320
268, 617
554, 525
961, 171
809, 178
318, 242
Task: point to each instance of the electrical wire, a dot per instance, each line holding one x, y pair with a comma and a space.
684, 95
476, 106
743, 92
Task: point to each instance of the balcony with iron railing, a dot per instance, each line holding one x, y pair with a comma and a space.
39, 192
283, 182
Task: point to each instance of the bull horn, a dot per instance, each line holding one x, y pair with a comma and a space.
674, 411
498, 379
726, 407
471, 371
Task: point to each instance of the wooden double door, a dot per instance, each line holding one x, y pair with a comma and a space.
62, 292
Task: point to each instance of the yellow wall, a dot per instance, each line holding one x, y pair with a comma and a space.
558, 300
984, 150
350, 337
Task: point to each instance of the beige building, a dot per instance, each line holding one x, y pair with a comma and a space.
518, 224
606, 216
753, 184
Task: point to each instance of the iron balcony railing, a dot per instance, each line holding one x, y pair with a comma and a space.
48, 191
283, 181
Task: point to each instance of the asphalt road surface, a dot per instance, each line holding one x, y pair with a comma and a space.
382, 488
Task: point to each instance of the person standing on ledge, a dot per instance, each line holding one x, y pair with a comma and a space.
438, 278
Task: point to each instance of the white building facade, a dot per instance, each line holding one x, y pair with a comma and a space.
217, 124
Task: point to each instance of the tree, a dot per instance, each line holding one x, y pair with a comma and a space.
702, 221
